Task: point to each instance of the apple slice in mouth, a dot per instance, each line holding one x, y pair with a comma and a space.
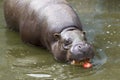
84, 63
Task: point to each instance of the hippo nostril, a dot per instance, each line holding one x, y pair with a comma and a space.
83, 48
79, 47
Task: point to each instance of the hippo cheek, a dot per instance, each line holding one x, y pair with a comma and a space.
60, 56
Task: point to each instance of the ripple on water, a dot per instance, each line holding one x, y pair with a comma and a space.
99, 59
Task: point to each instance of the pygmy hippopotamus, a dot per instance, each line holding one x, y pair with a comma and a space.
52, 24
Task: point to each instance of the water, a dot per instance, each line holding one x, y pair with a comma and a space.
101, 21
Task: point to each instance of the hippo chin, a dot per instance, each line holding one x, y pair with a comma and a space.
52, 24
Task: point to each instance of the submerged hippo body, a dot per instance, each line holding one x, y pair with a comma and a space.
52, 24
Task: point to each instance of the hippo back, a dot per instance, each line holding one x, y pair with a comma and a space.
38, 20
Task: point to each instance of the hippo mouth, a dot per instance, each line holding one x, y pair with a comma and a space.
86, 63
81, 62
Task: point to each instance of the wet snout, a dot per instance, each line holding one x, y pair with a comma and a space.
82, 51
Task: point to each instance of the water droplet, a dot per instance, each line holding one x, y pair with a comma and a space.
109, 26
100, 49
118, 20
104, 38
35, 63
107, 32
111, 34
12, 67
22, 54
108, 41
114, 31
118, 45
107, 47
55, 78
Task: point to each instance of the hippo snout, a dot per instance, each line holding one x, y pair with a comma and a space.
82, 51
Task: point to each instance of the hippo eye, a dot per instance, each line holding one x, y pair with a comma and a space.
67, 42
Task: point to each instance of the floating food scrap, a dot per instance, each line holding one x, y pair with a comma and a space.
87, 65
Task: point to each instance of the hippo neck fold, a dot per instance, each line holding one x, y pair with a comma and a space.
70, 28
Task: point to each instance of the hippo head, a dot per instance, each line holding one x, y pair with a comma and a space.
71, 45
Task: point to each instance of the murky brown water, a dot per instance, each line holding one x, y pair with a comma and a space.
101, 20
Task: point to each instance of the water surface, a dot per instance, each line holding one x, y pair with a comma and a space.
101, 21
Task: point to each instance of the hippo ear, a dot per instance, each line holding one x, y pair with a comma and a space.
57, 36
84, 32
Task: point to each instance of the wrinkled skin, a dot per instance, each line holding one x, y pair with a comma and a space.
52, 24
